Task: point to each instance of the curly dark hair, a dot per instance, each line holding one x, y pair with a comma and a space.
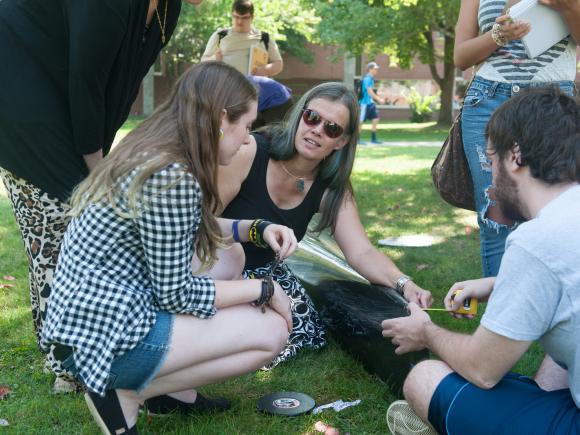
545, 124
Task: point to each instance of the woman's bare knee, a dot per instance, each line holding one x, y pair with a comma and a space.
275, 333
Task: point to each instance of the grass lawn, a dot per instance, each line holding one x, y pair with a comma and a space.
391, 131
395, 197
404, 131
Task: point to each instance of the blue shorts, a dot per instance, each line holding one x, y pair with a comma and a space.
516, 405
368, 112
135, 369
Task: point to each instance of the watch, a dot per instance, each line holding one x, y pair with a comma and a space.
400, 284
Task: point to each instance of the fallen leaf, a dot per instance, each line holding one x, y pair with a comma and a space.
8, 278
4, 391
6, 286
422, 266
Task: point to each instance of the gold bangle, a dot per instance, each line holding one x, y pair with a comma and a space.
497, 35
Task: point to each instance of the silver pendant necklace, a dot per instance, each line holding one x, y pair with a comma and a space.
299, 183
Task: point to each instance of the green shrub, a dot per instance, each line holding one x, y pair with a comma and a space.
421, 106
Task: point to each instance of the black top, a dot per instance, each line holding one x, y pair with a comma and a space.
70, 71
253, 202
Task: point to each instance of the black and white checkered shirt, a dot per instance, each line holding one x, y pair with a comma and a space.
114, 274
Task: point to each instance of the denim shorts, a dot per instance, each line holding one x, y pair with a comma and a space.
482, 98
136, 368
516, 405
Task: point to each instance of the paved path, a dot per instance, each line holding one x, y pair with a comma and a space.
403, 144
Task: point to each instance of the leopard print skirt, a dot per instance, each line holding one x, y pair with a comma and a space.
307, 328
42, 221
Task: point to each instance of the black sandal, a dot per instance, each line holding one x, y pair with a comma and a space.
108, 414
162, 405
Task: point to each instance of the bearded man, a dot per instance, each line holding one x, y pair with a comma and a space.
534, 150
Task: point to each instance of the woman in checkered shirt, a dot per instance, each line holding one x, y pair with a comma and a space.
127, 315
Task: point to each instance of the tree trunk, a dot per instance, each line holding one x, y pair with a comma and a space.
445, 83
446, 99
447, 86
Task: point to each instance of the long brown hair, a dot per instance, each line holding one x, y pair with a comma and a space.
184, 129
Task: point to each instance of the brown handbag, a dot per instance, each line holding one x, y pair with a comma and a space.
450, 170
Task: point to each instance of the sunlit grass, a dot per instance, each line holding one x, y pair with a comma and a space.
395, 197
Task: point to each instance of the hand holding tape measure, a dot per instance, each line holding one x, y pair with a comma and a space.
462, 298
468, 306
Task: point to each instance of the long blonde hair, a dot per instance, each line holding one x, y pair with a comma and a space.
184, 129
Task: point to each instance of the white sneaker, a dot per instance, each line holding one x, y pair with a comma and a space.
402, 420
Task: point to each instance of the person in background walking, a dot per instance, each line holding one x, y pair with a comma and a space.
368, 109
232, 45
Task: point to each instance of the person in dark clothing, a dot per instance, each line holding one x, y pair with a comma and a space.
288, 173
71, 70
274, 101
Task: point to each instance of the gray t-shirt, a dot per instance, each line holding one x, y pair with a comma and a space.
537, 291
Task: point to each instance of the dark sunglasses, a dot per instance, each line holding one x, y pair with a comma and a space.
313, 118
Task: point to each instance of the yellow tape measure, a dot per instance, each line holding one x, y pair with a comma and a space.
469, 306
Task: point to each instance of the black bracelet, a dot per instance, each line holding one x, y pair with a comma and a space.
256, 234
266, 295
261, 227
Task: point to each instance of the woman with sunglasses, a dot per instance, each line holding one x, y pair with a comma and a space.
291, 171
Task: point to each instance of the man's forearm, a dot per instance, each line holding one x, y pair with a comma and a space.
457, 351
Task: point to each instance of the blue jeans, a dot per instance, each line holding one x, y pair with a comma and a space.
136, 368
481, 100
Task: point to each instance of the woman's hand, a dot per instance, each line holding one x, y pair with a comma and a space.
511, 29
414, 293
281, 239
479, 289
280, 303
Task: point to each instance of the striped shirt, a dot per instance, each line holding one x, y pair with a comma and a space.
511, 63
114, 273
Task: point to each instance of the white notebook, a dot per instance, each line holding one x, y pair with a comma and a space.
547, 26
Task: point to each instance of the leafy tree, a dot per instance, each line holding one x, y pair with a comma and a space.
290, 22
404, 29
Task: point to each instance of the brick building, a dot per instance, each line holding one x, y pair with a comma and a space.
392, 83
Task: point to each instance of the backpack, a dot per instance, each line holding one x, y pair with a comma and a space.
265, 38
358, 89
